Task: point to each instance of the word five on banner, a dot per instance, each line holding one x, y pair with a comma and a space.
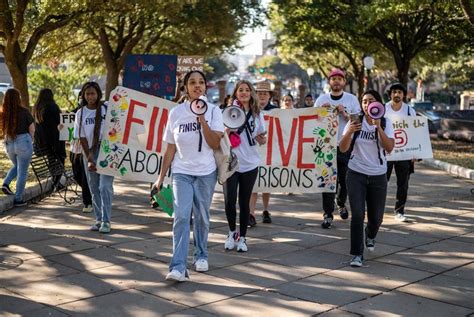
151, 74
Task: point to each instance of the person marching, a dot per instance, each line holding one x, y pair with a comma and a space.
345, 104
264, 94
241, 182
88, 127
394, 110
191, 140
366, 140
18, 129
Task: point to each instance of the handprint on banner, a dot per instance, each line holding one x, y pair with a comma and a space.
319, 131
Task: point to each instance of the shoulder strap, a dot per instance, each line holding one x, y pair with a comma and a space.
241, 129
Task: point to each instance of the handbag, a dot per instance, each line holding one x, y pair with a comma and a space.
226, 160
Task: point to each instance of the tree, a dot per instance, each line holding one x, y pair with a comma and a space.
166, 27
218, 67
467, 7
353, 28
23, 23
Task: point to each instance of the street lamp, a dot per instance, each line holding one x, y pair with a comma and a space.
369, 64
310, 71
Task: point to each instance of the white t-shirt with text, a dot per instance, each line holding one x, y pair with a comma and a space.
348, 101
182, 129
88, 122
403, 112
364, 157
247, 154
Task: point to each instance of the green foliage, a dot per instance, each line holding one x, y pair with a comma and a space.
272, 67
61, 81
218, 67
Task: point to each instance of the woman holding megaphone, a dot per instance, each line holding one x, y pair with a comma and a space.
194, 129
367, 137
241, 183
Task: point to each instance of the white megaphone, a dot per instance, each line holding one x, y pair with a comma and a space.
233, 117
198, 106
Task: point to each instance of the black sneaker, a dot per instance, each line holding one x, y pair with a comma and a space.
327, 221
252, 221
343, 212
357, 261
369, 243
19, 203
266, 217
6, 190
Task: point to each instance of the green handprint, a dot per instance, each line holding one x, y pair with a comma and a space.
320, 158
321, 132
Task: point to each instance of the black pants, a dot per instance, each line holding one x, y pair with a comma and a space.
341, 188
365, 190
243, 184
403, 169
80, 177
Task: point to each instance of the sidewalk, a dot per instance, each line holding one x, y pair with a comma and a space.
51, 265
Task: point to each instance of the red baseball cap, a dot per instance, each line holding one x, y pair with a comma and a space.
337, 72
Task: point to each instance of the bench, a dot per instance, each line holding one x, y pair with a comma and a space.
46, 167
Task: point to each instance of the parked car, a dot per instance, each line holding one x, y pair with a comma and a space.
422, 105
434, 119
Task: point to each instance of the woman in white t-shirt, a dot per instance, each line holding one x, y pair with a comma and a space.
191, 140
88, 126
368, 140
241, 182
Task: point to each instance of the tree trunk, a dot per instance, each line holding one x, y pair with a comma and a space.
402, 71
112, 79
18, 72
360, 82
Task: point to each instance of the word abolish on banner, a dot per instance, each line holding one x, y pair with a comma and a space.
66, 126
300, 154
412, 139
132, 145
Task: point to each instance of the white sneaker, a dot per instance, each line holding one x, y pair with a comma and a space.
201, 265
242, 245
400, 217
230, 241
177, 276
87, 208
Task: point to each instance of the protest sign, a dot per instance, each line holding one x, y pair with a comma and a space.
152, 74
66, 126
412, 139
132, 145
300, 154
189, 63
299, 157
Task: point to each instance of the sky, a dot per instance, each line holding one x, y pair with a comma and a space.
251, 42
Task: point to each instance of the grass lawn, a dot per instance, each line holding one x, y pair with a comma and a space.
454, 152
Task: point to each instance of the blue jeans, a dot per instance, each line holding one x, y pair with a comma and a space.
19, 151
370, 191
191, 193
102, 190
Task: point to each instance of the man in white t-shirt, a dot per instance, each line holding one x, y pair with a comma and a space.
345, 104
394, 110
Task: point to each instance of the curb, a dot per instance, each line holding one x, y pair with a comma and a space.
6, 202
452, 169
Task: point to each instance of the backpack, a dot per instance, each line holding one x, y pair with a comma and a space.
383, 124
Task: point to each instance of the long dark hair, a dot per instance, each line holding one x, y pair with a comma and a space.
45, 99
11, 112
98, 110
374, 93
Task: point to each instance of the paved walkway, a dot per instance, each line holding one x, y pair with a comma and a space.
52, 266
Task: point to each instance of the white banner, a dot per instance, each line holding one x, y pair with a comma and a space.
132, 141
299, 157
66, 126
412, 139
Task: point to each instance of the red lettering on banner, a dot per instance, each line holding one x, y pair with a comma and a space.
131, 119
401, 138
286, 153
301, 140
161, 127
269, 139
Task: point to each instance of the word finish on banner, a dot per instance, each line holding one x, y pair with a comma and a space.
412, 139
300, 154
132, 142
